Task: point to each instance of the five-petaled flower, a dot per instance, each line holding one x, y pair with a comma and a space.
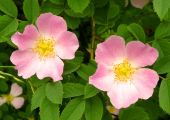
12, 98
137, 3
120, 71
40, 50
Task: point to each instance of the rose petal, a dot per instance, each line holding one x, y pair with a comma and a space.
26, 62
145, 80
66, 45
50, 25
110, 51
2, 101
139, 54
126, 3
18, 102
123, 94
139, 3
27, 39
103, 78
16, 90
52, 67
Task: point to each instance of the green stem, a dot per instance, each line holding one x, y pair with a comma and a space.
150, 41
8, 66
162, 77
32, 88
93, 39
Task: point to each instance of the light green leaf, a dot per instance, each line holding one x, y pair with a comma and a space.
70, 67
54, 92
57, 1
37, 82
78, 58
161, 7
51, 7
72, 90
137, 31
8, 7
164, 95
49, 110
31, 9
101, 29
90, 91
167, 15
72, 22
134, 113
113, 11
123, 31
78, 5
85, 72
7, 25
94, 108
74, 110
162, 65
38, 97
163, 30
162, 46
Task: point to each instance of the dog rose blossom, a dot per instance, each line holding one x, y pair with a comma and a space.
12, 98
120, 71
40, 50
137, 3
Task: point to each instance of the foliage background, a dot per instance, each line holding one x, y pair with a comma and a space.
93, 21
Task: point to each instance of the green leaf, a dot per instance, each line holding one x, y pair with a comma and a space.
100, 3
31, 9
7, 25
113, 11
164, 95
167, 15
74, 110
85, 72
162, 46
38, 97
0, 114
8, 117
163, 30
101, 29
123, 31
70, 67
99, 20
162, 65
134, 113
137, 31
54, 92
8, 7
72, 22
78, 5
37, 82
90, 91
92, 64
161, 7
3, 86
57, 1
49, 110
50, 7
78, 58
72, 90
94, 108
107, 116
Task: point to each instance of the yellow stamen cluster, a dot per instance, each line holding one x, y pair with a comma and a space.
123, 71
45, 48
9, 98
111, 109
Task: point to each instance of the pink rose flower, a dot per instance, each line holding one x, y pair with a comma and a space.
120, 71
40, 50
137, 3
12, 98
112, 110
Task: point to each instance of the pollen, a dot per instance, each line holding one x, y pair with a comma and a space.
124, 71
9, 98
45, 48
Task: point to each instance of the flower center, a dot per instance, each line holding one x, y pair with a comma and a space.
44, 47
9, 98
111, 109
124, 71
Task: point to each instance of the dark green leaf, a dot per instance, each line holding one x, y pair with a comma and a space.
70, 67
90, 91
72, 22
163, 30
